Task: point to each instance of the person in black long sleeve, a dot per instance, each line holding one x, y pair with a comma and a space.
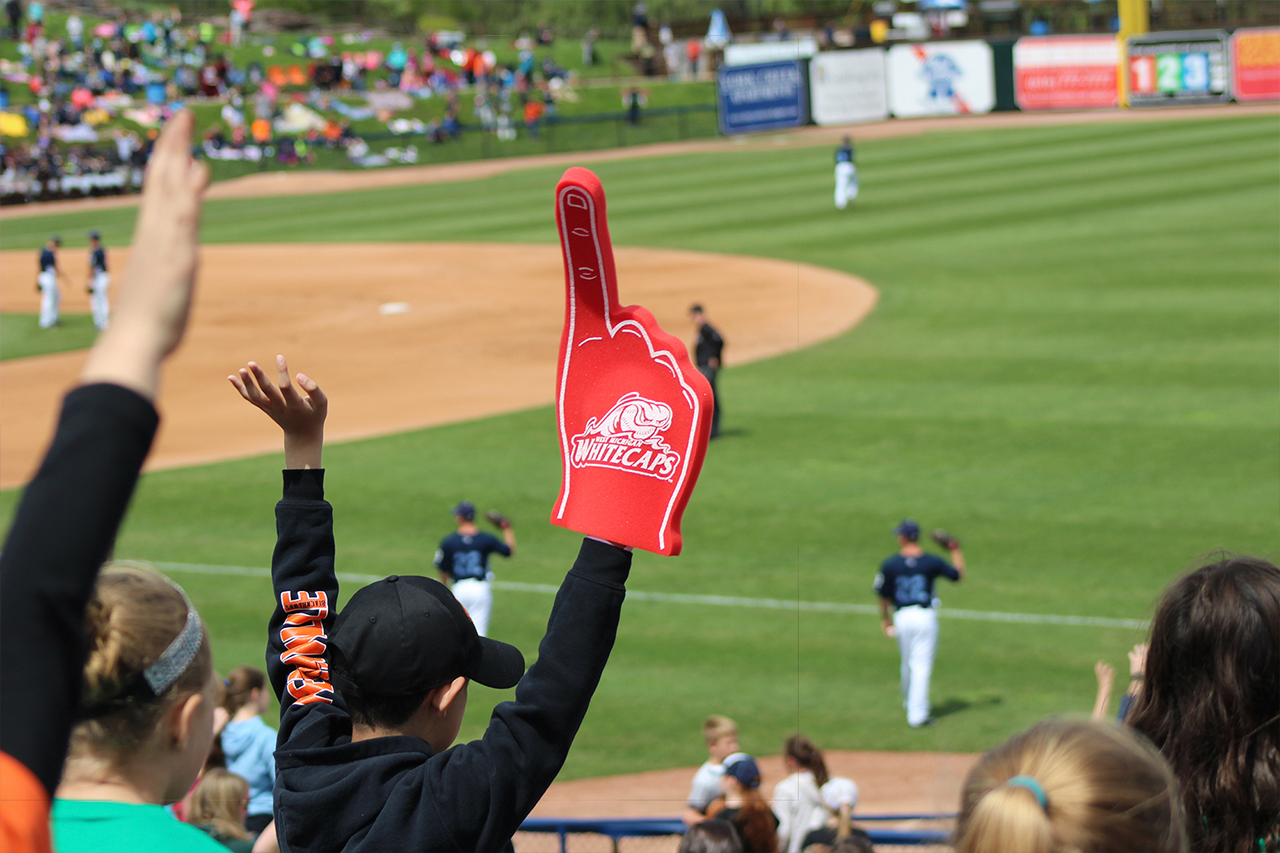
372, 698
67, 520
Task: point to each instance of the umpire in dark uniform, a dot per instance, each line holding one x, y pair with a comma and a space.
706, 353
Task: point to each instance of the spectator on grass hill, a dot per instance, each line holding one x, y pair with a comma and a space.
721, 736
711, 836
1210, 701
249, 743
743, 806
1078, 786
797, 800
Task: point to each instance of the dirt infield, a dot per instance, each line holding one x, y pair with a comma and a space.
403, 336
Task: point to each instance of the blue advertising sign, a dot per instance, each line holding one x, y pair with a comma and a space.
769, 96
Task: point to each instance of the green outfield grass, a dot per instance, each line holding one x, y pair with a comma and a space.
1072, 366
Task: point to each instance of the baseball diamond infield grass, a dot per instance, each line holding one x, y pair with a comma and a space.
1072, 366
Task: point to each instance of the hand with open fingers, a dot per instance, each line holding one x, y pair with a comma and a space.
634, 413
300, 415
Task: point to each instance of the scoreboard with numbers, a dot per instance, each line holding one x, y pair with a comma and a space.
1169, 69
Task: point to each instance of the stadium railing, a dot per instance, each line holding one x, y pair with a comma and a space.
662, 834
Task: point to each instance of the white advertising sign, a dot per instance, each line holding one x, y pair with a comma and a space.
941, 79
848, 86
755, 53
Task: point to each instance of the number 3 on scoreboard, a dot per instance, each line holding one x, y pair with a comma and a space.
1142, 74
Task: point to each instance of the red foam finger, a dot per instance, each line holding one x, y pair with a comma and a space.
634, 414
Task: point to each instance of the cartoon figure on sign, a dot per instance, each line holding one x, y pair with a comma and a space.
940, 73
629, 438
629, 401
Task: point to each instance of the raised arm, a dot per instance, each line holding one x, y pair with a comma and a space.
66, 523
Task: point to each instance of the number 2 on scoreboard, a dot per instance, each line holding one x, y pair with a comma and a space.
1169, 72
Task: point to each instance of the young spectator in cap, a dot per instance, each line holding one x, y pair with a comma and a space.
721, 735
743, 806
249, 743
1211, 701
372, 698
463, 561
63, 529
1079, 786
797, 800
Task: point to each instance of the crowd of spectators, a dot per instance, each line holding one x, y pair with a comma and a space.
143, 67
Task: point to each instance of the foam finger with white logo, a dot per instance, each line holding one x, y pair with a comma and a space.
634, 413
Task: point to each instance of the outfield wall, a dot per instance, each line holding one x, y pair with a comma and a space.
975, 77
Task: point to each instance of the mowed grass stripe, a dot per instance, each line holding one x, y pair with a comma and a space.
1071, 367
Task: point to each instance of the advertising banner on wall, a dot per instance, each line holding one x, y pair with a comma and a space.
1177, 69
1255, 64
755, 53
941, 78
771, 96
1066, 72
848, 86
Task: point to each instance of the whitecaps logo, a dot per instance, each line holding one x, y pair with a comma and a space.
628, 438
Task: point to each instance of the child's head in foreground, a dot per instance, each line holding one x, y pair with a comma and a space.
404, 642
1067, 785
721, 735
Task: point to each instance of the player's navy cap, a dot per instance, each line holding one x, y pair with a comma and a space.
743, 768
466, 510
94, 235
907, 529
56, 240
405, 635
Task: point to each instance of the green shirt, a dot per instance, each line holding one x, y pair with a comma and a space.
94, 826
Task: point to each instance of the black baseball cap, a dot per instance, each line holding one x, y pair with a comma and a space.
466, 510
405, 635
908, 529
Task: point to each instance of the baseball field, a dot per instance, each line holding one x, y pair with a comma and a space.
1071, 363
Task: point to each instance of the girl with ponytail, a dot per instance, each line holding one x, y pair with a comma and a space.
144, 722
249, 743
1080, 786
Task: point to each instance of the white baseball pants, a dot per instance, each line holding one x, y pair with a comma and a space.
101, 307
476, 597
49, 298
917, 632
846, 184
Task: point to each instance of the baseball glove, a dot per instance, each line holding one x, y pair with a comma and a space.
945, 539
498, 519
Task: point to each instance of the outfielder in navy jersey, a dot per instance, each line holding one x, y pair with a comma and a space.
463, 561
99, 280
846, 174
905, 583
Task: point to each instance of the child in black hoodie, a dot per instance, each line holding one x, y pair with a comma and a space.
371, 699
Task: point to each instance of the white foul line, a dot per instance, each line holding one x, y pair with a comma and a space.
723, 600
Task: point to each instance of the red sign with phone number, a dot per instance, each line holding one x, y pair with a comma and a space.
1065, 72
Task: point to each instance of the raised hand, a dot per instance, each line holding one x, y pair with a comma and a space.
634, 413
153, 301
300, 416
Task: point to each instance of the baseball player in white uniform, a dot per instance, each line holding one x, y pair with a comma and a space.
47, 282
846, 174
99, 280
905, 583
463, 561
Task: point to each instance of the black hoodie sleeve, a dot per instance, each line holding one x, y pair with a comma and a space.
64, 528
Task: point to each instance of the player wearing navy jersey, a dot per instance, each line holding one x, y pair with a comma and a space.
905, 583
47, 283
463, 561
98, 281
846, 174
